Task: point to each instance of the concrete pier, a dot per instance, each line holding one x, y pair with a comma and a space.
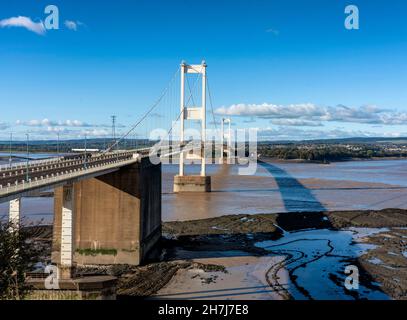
14, 212
67, 232
84, 288
192, 184
117, 216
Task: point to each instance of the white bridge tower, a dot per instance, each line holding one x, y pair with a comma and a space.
202, 182
229, 141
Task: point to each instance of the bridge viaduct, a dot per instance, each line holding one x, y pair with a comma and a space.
107, 206
107, 212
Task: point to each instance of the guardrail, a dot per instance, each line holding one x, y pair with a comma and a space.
60, 177
68, 174
56, 160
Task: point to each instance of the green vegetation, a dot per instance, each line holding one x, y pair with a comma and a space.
18, 255
95, 252
330, 152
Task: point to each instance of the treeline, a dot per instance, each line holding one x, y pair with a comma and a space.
326, 153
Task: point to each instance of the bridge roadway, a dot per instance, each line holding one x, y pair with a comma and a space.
55, 167
50, 173
21, 180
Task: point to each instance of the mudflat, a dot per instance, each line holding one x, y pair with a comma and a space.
274, 256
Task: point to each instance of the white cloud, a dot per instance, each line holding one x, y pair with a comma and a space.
4, 126
51, 123
74, 123
296, 122
270, 110
96, 133
68, 133
311, 114
24, 22
273, 31
73, 25
57, 125
36, 123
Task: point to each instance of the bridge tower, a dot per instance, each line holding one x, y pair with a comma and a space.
202, 182
228, 141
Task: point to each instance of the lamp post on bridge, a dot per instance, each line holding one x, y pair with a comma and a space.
58, 144
10, 157
86, 153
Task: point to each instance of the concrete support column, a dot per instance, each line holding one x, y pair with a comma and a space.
67, 232
114, 218
14, 212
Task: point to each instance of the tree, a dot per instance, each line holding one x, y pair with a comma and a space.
18, 254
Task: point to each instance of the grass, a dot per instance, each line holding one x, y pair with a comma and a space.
95, 252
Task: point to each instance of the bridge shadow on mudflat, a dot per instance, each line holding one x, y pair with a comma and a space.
296, 197
303, 211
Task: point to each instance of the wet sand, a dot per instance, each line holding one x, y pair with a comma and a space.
274, 256
271, 256
290, 256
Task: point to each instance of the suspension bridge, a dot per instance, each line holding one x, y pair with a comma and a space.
112, 199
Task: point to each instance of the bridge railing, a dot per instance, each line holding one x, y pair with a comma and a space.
65, 173
55, 160
21, 186
23, 164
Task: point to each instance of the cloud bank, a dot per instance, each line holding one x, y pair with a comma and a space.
23, 22
63, 123
308, 114
4, 126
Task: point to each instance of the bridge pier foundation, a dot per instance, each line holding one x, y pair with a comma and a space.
67, 232
192, 184
14, 212
116, 216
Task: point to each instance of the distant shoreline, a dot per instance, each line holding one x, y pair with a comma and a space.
328, 162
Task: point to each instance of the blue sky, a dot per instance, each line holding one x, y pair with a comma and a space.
288, 67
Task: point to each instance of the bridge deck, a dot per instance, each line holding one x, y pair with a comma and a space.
22, 179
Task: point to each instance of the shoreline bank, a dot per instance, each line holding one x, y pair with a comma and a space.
278, 160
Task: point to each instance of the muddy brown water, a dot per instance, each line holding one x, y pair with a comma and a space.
291, 187
276, 187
